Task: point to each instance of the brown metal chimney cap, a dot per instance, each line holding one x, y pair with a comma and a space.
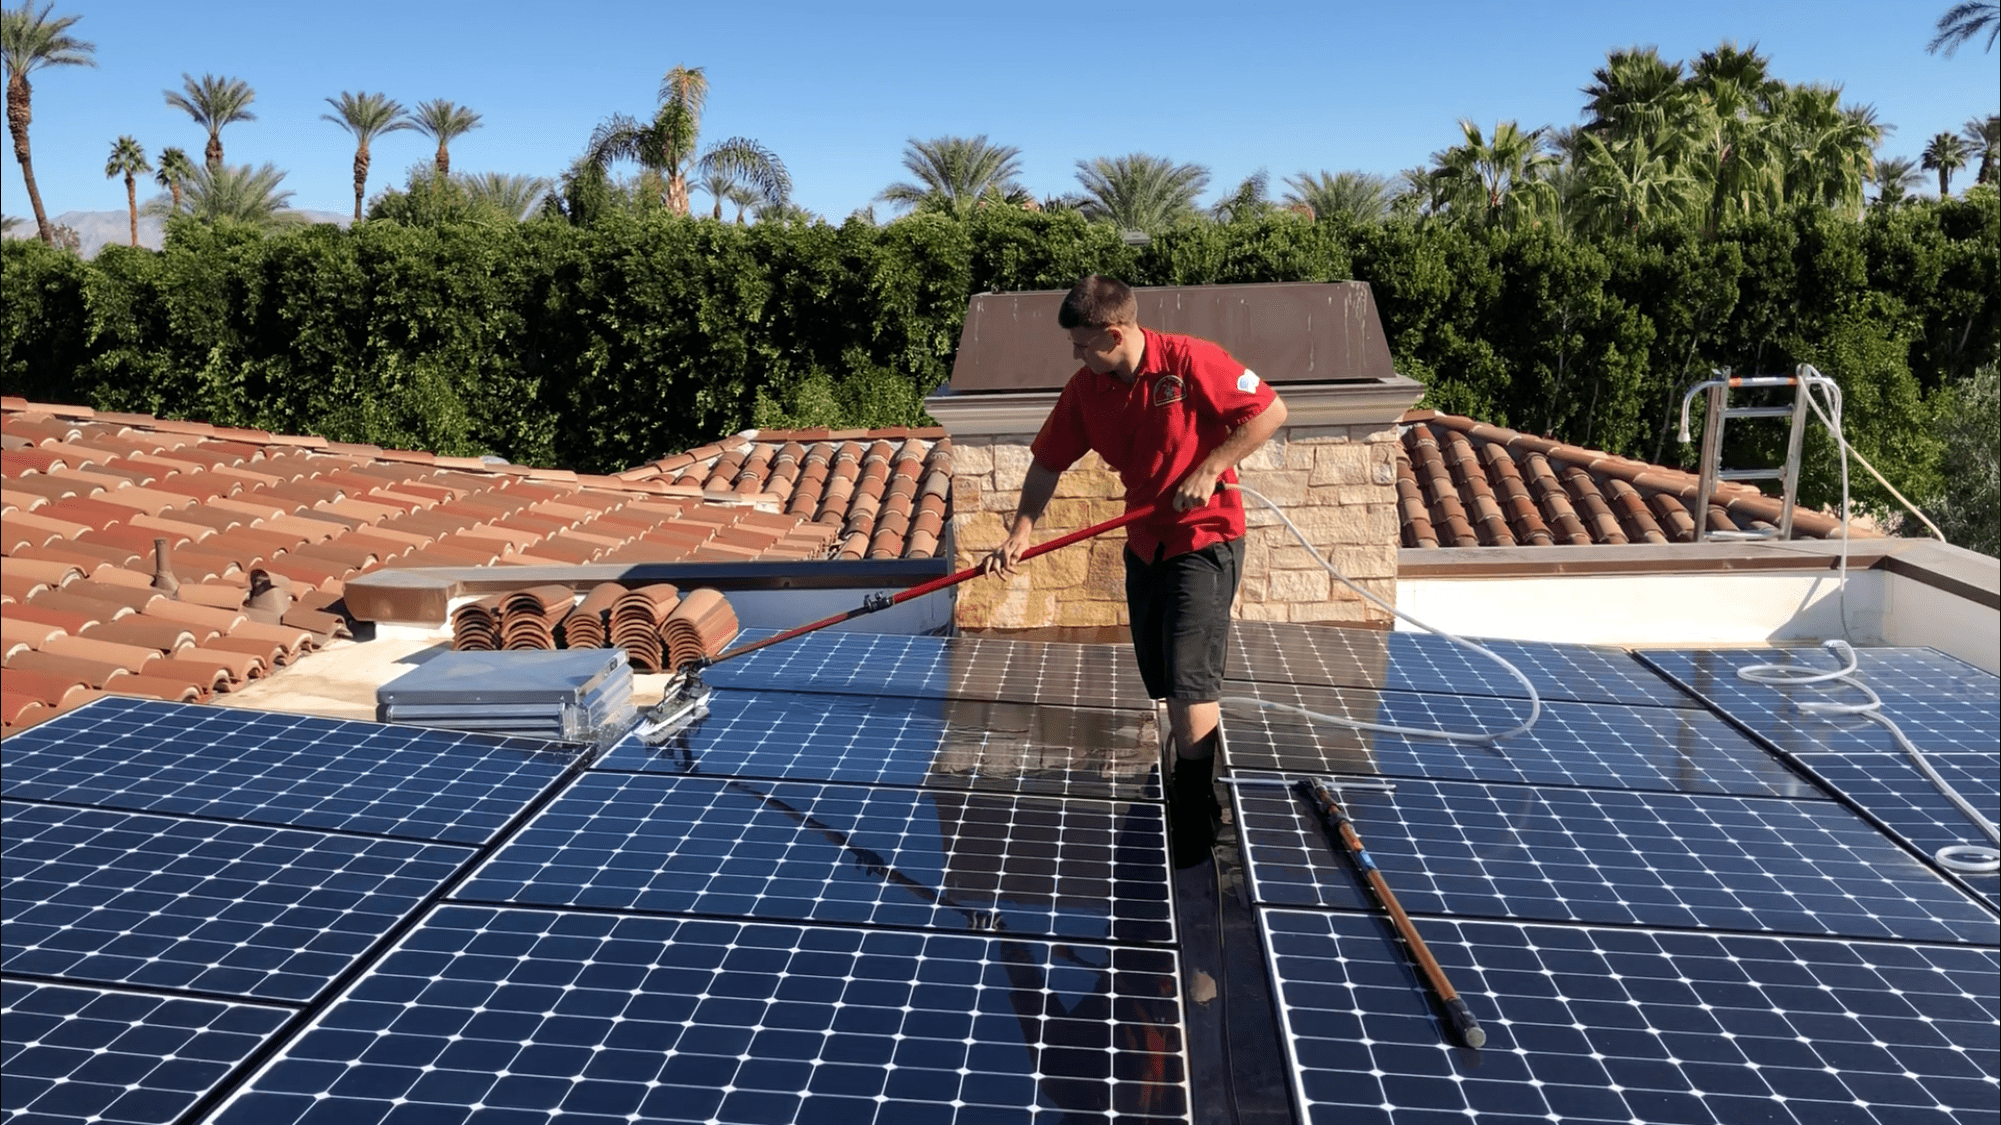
1287, 332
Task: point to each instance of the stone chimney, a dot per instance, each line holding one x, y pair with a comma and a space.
1332, 467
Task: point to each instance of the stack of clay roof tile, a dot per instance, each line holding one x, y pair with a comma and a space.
528, 618
1462, 483
476, 625
588, 625
700, 626
638, 625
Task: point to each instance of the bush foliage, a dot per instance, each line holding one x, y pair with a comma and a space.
600, 346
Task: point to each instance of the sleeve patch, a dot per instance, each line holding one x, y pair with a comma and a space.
1248, 381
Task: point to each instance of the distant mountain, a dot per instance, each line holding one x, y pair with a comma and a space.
97, 229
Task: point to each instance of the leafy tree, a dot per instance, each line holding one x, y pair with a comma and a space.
955, 173
213, 103
1967, 506
1895, 177
1140, 192
233, 194
1499, 179
1963, 22
443, 122
1946, 154
29, 41
175, 169
366, 116
666, 146
1983, 139
128, 159
1356, 197
8, 223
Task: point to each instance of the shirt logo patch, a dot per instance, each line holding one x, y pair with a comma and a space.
1248, 381
1168, 389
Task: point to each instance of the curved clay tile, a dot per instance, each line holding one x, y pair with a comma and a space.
886, 544
1632, 513
68, 671
921, 545
1672, 517
174, 689
1593, 510
1417, 530
132, 658
1471, 477
1517, 506
1448, 515
853, 546
165, 637
1554, 503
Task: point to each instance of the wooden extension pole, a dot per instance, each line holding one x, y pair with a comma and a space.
1336, 820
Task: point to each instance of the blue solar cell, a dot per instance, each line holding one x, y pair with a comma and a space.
1628, 1024
236, 909
631, 1018
875, 664
958, 744
1891, 789
1600, 744
92, 1054
280, 769
1607, 856
1036, 866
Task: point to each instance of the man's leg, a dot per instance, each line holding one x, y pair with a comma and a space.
1195, 629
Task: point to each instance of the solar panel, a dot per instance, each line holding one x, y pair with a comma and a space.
959, 744
290, 770
1037, 866
1601, 744
1629, 1024
1279, 653
1890, 788
94, 1054
522, 1013
205, 906
1068, 675
1607, 856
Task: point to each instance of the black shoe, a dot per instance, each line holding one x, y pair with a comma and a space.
1193, 813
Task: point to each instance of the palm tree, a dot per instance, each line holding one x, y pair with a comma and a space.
510, 195
30, 40
1728, 141
666, 146
1946, 153
239, 194
1506, 171
128, 159
213, 103
1826, 149
1359, 197
1140, 192
367, 116
717, 183
443, 122
175, 168
1894, 178
1636, 93
744, 197
1983, 138
1965, 21
1627, 183
1250, 200
953, 173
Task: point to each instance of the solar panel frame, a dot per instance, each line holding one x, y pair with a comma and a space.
709, 1020
974, 668
834, 853
1607, 856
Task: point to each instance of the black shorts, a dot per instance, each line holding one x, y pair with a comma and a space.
1181, 619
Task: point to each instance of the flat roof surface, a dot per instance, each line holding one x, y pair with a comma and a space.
904, 879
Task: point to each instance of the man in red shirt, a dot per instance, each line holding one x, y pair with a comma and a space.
1172, 415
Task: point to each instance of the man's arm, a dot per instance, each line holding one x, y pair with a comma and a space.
1036, 489
1195, 490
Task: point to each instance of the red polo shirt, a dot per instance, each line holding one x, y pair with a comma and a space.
1186, 398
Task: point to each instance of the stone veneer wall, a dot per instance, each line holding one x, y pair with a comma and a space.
1337, 483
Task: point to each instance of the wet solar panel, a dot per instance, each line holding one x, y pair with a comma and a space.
1630, 1024
1064, 675
612, 1017
289, 770
1605, 856
894, 740
1891, 789
1601, 744
961, 860
74, 1054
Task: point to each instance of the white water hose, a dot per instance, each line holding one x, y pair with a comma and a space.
1244, 701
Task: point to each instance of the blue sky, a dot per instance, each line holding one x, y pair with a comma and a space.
837, 89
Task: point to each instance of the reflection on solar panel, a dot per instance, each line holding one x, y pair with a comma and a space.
678, 1020
279, 769
1586, 1023
1278, 653
1892, 790
842, 853
1572, 744
1067, 675
1008, 747
94, 1054
173, 903
1606, 856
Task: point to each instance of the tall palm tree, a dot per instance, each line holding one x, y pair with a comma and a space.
1636, 93
175, 168
239, 194
1251, 199
1965, 21
1627, 183
1506, 171
666, 146
367, 116
1359, 197
1727, 141
30, 40
1139, 191
128, 159
1947, 154
717, 183
1826, 148
443, 122
1983, 139
952, 173
213, 103
510, 195
1894, 178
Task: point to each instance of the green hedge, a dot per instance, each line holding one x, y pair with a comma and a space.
599, 347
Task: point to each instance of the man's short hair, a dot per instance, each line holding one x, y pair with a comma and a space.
1098, 302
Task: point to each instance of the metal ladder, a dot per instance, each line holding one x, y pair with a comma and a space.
1718, 412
